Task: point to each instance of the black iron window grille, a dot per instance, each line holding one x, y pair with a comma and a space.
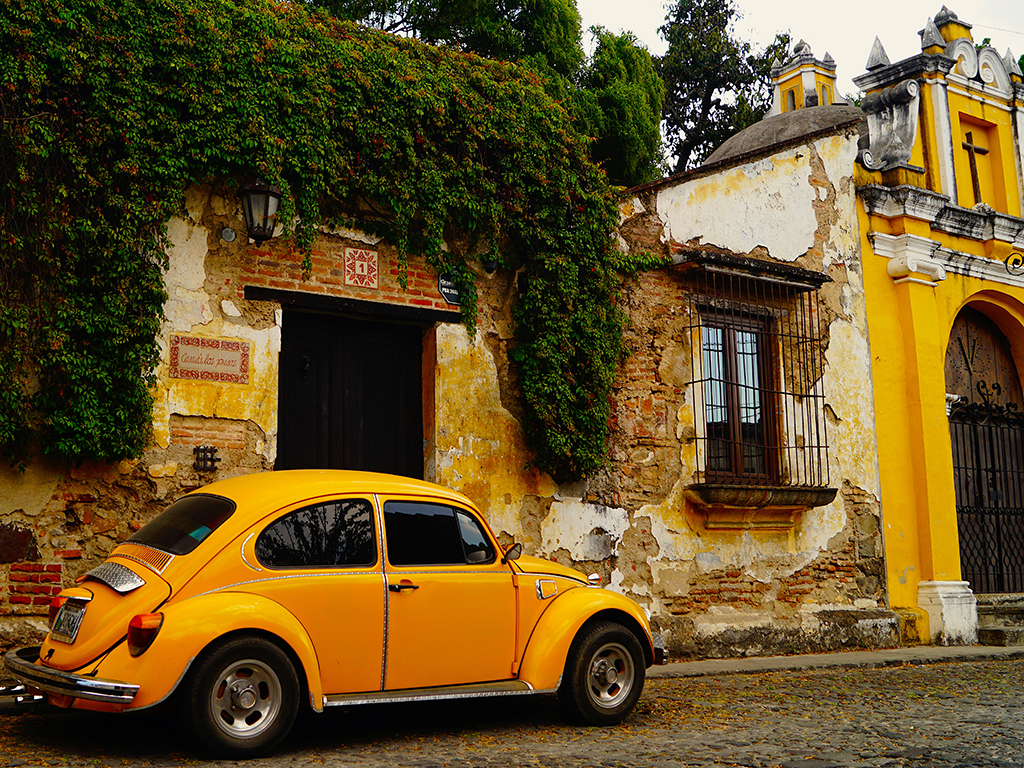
757, 357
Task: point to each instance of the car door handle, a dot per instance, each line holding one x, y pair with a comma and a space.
401, 586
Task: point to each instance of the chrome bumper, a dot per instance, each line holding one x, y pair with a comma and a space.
21, 663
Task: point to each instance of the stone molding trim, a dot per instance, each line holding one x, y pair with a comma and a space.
902, 200
742, 507
986, 66
910, 258
952, 611
969, 265
981, 222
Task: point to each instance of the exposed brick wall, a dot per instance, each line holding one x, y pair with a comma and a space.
34, 584
199, 430
282, 270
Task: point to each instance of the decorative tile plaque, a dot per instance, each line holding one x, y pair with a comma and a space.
223, 360
361, 267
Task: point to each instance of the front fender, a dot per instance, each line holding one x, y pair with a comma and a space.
548, 647
190, 626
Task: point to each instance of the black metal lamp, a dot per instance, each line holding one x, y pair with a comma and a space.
259, 204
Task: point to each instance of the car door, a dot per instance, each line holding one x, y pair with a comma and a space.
322, 562
451, 600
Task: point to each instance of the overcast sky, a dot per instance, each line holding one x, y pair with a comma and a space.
846, 31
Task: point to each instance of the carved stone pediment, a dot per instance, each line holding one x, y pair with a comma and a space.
892, 125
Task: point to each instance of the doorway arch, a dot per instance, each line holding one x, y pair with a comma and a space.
987, 432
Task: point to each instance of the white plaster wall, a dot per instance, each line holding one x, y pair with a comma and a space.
765, 203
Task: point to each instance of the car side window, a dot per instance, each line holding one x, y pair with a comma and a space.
337, 533
421, 533
477, 546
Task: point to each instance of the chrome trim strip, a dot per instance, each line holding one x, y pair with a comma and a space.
555, 576
21, 664
470, 691
278, 578
242, 553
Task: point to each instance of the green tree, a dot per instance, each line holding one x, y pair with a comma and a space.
545, 31
619, 103
616, 95
716, 84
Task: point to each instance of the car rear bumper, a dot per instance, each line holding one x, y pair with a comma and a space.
21, 664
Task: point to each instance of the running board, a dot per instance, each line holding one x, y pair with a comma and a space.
470, 691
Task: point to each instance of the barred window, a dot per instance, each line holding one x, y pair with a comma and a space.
757, 358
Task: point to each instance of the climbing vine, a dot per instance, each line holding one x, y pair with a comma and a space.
110, 109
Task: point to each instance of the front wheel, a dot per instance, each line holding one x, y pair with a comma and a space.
242, 698
604, 674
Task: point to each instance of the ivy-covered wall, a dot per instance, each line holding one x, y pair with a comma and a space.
109, 111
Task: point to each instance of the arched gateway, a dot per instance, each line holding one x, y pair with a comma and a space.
986, 424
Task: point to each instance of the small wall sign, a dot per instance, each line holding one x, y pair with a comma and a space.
199, 359
447, 289
361, 268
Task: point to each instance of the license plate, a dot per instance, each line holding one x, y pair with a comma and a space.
69, 619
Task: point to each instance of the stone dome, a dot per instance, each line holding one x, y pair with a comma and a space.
780, 129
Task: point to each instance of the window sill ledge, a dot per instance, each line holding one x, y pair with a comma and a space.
755, 506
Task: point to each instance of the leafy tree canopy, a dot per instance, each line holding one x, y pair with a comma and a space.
110, 109
616, 95
716, 84
620, 104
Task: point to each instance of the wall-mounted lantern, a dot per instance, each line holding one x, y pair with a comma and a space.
259, 204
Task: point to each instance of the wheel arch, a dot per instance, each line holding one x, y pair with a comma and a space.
300, 668
191, 628
629, 622
549, 644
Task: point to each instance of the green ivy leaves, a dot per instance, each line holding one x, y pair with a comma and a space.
110, 109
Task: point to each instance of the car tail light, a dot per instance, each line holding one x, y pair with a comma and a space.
142, 631
55, 605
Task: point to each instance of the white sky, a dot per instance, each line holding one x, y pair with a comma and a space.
845, 30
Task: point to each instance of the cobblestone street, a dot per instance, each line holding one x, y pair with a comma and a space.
937, 715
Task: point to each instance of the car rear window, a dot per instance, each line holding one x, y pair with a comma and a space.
183, 525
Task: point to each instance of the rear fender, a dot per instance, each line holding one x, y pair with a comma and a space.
548, 647
192, 625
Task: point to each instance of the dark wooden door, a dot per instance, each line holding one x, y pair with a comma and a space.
350, 395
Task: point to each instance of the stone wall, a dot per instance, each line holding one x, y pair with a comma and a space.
814, 585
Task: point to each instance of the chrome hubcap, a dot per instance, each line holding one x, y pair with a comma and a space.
247, 699
610, 677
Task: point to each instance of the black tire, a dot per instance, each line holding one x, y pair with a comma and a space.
241, 698
604, 674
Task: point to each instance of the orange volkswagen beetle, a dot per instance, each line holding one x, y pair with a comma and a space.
253, 596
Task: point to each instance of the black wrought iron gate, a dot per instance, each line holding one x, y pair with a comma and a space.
988, 465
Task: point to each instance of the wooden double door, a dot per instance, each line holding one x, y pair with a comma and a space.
350, 395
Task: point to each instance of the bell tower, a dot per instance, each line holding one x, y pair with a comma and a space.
803, 81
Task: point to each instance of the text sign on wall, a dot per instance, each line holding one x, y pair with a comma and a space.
223, 360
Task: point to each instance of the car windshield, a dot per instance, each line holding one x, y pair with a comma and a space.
183, 525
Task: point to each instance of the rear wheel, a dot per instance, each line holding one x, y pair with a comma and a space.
604, 674
242, 697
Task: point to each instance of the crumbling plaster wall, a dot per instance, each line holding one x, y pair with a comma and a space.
816, 585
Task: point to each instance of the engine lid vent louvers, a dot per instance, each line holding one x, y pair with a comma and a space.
151, 558
116, 576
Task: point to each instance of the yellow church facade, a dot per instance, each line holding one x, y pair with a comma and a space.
940, 188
